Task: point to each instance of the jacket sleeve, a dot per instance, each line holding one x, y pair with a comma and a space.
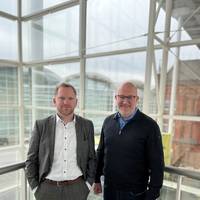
91, 157
155, 163
100, 158
32, 163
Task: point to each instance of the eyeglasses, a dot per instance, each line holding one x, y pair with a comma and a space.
123, 97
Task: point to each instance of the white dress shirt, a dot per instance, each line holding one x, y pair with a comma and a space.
64, 165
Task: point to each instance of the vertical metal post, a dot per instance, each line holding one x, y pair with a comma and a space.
178, 191
156, 81
36, 45
21, 99
174, 79
20, 82
25, 185
163, 75
174, 85
82, 51
149, 56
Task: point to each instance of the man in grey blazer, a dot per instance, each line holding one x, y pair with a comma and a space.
60, 162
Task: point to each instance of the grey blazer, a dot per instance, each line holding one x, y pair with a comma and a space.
41, 149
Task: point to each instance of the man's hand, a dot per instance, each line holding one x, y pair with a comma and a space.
97, 188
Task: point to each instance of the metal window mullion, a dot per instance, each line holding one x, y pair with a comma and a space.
8, 16
21, 101
185, 43
50, 10
20, 83
163, 74
178, 191
174, 81
82, 51
149, 56
156, 81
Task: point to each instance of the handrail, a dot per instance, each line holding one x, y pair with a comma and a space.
170, 169
11, 167
194, 174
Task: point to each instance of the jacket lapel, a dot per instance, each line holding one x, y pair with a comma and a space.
52, 130
78, 127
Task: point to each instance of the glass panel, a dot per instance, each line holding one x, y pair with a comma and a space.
97, 121
186, 144
9, 118
169, 188
8, 39
9, 6
190, 53
188, 88
188, 16
172, 62
40, 82
190, 189
9, 126
27, 125
9, 156
105, 73
115, 24
31, 6
41, 113
8, 86
52, 36
10, 186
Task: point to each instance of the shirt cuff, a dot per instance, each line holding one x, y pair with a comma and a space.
34, 190
88, 185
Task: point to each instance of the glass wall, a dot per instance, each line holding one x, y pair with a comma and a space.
118, 28
56, 46
8, 39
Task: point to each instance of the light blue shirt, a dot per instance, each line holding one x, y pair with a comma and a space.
124, 120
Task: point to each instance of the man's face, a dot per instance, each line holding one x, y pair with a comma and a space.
126, 100
65, 101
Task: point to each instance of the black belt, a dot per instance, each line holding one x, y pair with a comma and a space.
62, 183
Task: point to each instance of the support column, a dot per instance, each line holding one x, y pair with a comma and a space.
149, 56
163, 74
82, 51
22, 193
174, 80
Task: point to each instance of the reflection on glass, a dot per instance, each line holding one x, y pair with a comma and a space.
186, 144
169, 188
52, 36
190, 189
9, 126
31, 6
187, 89
123, 26
40, 82
189, 54
9, 185
8, 39
8, 86
104, 75
97, 121
9, 6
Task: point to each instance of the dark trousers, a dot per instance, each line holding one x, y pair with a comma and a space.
113, 194
75, 191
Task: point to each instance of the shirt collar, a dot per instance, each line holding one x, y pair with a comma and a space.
58, 119
118, 115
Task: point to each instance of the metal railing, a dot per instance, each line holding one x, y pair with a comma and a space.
180, 172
